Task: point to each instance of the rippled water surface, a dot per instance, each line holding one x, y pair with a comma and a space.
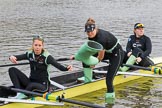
61, 23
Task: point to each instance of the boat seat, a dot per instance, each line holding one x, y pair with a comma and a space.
57, 85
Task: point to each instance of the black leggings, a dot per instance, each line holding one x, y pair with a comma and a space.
116, 59
20, 80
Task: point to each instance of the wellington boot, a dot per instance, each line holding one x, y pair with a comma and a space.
81, 79
87, 75
131, 60
110, 98
86, 52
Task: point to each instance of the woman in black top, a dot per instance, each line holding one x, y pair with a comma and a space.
112, 51
138, 48
40, 60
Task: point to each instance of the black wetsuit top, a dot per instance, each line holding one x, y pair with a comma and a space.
105, 38
39, 65
143, 43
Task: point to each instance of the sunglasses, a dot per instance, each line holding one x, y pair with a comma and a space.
89, 28
139, 26
37, 37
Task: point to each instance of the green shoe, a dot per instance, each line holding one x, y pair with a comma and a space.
110, 98
87, 75
19, 96
87, 78
81, 79
120, 68
131, 60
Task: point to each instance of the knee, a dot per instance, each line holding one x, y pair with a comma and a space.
29, 87
11, 70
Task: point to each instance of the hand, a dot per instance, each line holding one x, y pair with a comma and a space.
129, 54
138, 59
72, 57
70, 68
13, 59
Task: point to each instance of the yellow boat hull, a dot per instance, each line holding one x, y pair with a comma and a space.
83, 89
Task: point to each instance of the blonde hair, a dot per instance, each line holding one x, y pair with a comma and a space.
37, 38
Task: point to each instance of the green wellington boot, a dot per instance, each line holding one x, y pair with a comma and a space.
131, 60
81, 79
110, 98
86, 51
87, 75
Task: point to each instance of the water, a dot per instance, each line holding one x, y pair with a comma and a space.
61, 23
141, 93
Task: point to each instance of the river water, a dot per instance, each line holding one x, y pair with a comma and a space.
61, 23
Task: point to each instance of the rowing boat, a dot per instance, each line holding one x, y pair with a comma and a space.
70, 81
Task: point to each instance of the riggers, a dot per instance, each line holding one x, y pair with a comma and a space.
86, 51
110, 98
131, 60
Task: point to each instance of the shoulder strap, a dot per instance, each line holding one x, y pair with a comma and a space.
29, 52
46, 54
